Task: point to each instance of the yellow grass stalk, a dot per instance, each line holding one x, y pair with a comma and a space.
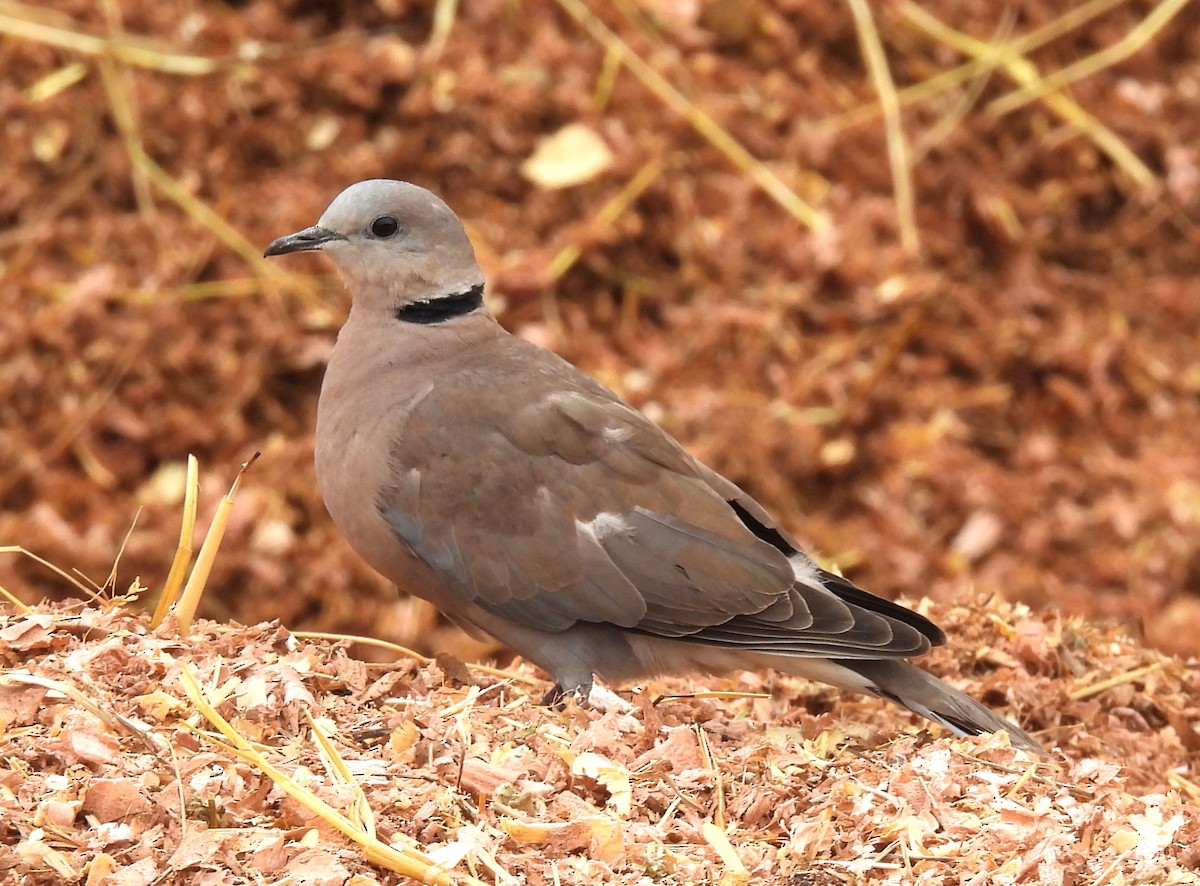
956, 76
111, 719
1131, 43
115, 78
13, 601
405, 860
28, 23
199, 211
445, 12
1089, 689
710, 693
183, 552
189, 601
405, 652
951, 120
1180, 783
608, 214
62, 573
706, 758
116, 89
402, 651
361, 815
55, 82
1023, 71
735, 872
705, 125
897, 148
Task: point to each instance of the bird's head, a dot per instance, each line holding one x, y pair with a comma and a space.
394, 243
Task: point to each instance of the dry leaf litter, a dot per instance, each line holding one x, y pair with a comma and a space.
803, 786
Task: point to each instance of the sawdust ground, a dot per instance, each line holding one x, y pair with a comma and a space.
803, 786
1012, 413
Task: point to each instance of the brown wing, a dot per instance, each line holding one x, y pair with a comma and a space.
572, 506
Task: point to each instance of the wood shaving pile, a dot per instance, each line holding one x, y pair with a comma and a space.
110, 774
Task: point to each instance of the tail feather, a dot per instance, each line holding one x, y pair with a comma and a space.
924, 694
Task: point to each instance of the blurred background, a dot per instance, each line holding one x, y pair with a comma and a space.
923, 277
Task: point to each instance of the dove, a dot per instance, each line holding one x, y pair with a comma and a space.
528, 502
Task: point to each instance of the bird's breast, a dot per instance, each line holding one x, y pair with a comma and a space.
356, 435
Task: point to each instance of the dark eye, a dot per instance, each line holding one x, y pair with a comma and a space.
385, 226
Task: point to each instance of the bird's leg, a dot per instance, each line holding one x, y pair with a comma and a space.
557, 696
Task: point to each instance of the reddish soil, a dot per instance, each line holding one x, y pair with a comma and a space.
1014, 410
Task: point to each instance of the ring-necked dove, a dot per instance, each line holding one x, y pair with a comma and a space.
527, 501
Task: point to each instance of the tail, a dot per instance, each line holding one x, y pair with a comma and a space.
924, 694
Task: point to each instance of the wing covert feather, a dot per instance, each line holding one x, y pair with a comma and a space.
600, 516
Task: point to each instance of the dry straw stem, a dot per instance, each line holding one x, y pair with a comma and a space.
710, 694
185, 611
463, 706
183, 553
200, 212
994, 55
406, 860
402, 651
1089, 689
718, 137
710, 763
1023, 71
115, 78
55, 82
445, 13
957, 113
405, 652
62, 573
897, 148
1180, 783
112, 720
606, 216
13, 601
735, 872
1107, 874
30, 23
361, 815
1028, 773
956, 76
1131, 43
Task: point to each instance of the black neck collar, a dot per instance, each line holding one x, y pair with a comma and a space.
442, 308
